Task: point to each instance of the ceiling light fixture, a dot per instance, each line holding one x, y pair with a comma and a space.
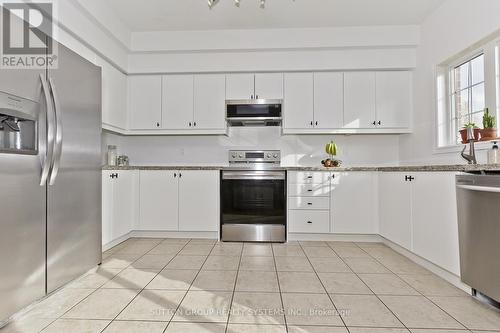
212, 3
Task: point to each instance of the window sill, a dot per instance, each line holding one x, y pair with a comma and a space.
484, 145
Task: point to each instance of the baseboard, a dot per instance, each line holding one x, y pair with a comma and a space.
117, 241
175, 234
442, 273
335, 237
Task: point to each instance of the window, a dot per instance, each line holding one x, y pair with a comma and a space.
467, 95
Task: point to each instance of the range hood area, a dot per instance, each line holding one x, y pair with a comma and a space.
254, 112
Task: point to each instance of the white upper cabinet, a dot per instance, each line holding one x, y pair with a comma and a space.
199, 200
159, 200
240, 86
269, 86
254, 86
209, 101
347, 189
298, 102
177, 101
394, 102
144, 92
328, 100
359, 100
395, 208
114, 97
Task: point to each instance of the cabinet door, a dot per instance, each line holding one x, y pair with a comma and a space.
309, 221
114, 96
311, 177
209, 101
144, 101
328, 100
199, 201
359, 100
269, 86
435, 225
125, 203
395, 208
394, 104
352, 203
177, 101
159, 200
240, 86
299, 101
107, 199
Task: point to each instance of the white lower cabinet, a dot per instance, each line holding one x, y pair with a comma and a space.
179, 200
309, 221
199, 200
418, 211
159, 200
434, 215
353, 203
119, 203
309, 202
395, 208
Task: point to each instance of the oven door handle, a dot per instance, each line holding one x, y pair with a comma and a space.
253, 175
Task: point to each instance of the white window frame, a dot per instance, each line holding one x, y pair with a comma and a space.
453, 118
444, 131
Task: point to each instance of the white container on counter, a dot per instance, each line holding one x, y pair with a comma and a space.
494, 154
112, 155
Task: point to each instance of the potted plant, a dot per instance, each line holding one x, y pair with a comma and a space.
463, 132
489, 131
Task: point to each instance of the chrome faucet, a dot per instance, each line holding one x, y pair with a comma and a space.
471, 156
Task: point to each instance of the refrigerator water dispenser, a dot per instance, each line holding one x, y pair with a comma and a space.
18, 125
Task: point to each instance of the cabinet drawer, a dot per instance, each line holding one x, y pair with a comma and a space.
309, 203
309, 221
307, 177
309, 190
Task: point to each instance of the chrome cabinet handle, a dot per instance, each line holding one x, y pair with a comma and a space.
59, 134
50, 122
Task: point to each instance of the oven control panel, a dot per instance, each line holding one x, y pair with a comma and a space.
254, 156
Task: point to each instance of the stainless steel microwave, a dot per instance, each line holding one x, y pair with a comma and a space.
254, 112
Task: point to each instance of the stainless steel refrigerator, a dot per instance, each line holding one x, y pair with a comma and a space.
50, 178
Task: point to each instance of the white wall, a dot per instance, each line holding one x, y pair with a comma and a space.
304, 150
340, 48
452, 28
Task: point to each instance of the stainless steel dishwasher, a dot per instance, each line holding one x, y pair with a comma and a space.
478, 201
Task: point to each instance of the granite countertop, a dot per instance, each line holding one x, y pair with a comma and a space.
411, 168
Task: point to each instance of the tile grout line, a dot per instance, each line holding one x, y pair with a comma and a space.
194, 279
279, 289
145, 285
367, 284
420, 294
95, 290
326, 291
234, 289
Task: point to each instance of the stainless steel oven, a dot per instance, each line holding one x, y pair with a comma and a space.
253, 199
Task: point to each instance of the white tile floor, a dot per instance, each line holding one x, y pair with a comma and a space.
183, 285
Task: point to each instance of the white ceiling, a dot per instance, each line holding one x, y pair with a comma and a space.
172, 15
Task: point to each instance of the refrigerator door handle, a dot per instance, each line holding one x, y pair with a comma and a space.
59, 137
49, 155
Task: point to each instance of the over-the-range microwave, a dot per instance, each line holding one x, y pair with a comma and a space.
254, 112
